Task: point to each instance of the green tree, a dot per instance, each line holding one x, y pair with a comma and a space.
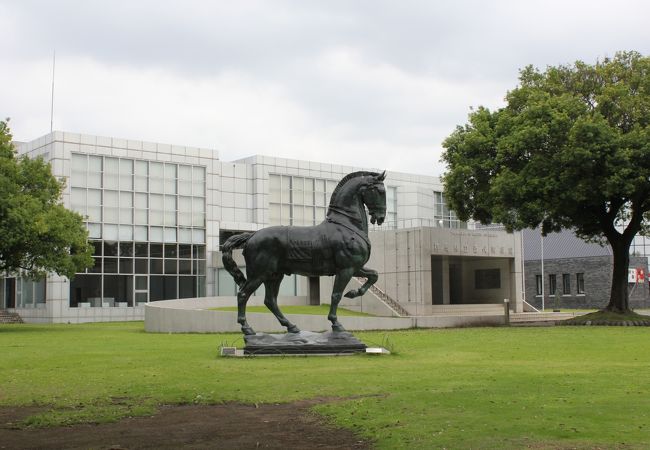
37, 233
571, 149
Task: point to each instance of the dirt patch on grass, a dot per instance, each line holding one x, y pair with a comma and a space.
229, 426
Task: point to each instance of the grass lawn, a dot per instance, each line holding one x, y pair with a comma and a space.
320, 310
555, 387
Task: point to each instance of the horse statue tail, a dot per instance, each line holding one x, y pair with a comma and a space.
233, 242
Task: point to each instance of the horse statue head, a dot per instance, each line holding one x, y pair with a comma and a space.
356, 192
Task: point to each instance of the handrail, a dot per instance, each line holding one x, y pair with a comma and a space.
386, 299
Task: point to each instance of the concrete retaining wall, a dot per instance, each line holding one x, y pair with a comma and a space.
192, 316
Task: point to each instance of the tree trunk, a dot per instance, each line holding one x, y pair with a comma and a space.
619, 300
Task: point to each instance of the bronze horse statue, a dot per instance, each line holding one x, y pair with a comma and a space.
338, 246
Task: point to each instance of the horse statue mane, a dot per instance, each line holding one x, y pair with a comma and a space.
345, 179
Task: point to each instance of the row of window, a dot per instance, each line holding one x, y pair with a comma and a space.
566, 284
133, 175
303, 201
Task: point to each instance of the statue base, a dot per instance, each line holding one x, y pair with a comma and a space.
303, 343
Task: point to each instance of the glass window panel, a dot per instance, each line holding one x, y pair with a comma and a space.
198, 219
78, 178
110, 198
126, 166
185, 266
156, 266
185, 235
187, 287
319, 214
126, 215
309, 215
274, 214
170, 186
97, 267
94, 230
198, 173
319, 185
126, 182
78, 197
286, 195
95, 181
297, 197
141, 216
185, 203
184, 187
199, 266
156, 217
170, 203
198, 204
156, 185
319, 199
110, 248
142, 249
126, 265
141, 283
95, 164
126, 233
111, 181
141, 297
185, 173
170, 235
94, 197
111, 165
170, 218
198, 189
141, 265
331, 185
226, 284
156, 202
198, 236
110, 265
141, 183
126, 248
185, 219
199, 251
110, 215
78, 162
170, 171
171, 251
110, 232
141, 168
184, 251
126, 199
156, 169
156, 250
141, 201
156, 234
170, 266
298, 214
97, 247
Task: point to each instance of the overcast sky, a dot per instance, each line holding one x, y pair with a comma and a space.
363, 83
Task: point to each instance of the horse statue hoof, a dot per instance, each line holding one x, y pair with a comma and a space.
293, 329
248, 331
337, 328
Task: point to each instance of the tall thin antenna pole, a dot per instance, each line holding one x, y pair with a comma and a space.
52, 102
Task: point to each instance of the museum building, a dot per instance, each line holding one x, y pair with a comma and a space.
157, 213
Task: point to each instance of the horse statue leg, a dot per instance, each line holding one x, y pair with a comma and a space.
371, 277
272, 287
242, 298
340, 281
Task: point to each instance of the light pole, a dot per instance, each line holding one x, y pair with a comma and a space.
541, 238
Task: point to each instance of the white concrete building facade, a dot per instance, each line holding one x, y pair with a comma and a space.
156, 214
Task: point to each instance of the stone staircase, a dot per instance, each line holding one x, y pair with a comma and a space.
9, 317
387, 299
